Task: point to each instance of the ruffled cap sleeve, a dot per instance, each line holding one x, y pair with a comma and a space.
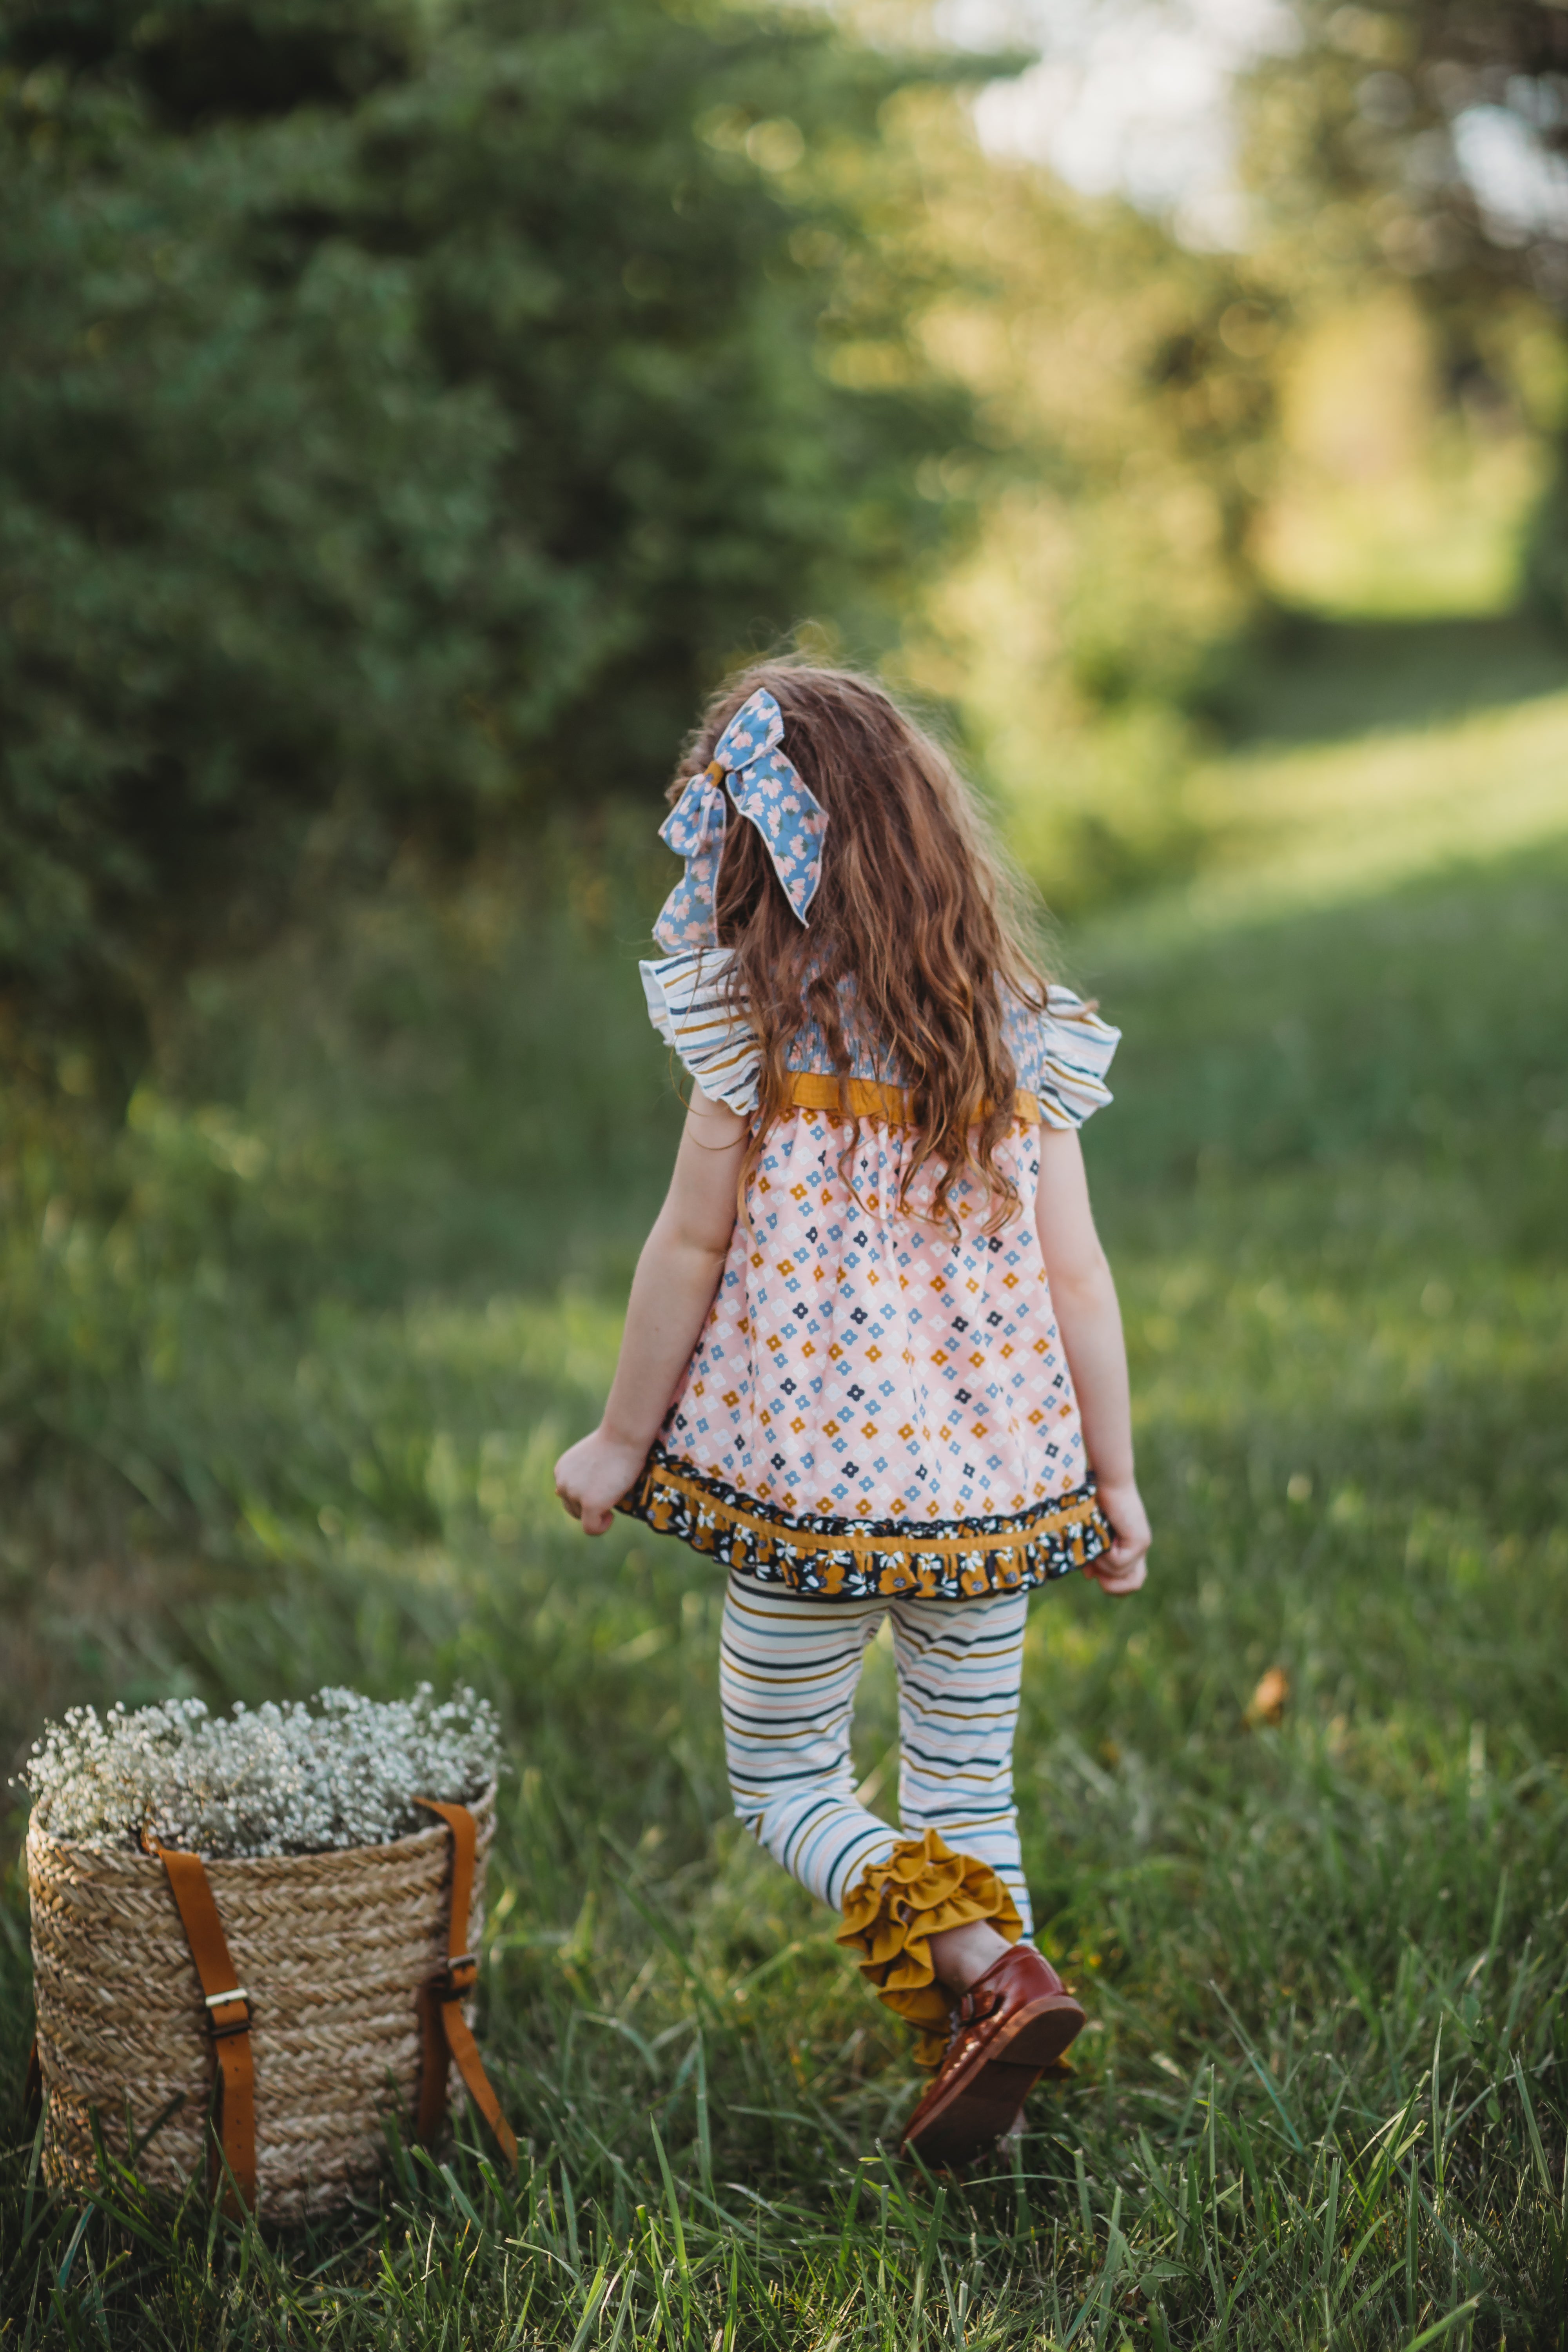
1062, 1055
687, 1004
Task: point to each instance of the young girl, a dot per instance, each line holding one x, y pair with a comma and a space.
873, 1360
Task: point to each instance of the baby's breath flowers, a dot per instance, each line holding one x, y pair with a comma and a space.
339, 1771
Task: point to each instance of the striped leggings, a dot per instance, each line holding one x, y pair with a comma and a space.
787, 1674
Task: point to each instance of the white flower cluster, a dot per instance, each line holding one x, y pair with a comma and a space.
341, 1770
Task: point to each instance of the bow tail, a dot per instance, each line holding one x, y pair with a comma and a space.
771, 795
694, 829
688, 918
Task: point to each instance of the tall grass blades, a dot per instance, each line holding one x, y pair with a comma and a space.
287, 1368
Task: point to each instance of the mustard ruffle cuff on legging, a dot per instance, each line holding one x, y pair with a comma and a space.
894, 1909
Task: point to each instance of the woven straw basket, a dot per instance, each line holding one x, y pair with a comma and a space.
333, 1949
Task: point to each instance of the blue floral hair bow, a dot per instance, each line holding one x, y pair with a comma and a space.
769, 794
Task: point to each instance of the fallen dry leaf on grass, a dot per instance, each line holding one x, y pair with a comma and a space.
1267, 1704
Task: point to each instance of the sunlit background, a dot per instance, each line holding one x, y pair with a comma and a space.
409, 410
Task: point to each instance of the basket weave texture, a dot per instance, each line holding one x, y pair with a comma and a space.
332, 1949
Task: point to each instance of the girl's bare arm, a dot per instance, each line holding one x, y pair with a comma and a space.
672, 1290
1090, 1321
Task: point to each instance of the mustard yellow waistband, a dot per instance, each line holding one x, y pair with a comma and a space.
869, 1098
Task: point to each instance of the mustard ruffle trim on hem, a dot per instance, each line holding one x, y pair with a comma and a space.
894, 1909
869, 1559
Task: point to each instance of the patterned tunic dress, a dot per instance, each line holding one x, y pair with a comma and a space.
875, 1405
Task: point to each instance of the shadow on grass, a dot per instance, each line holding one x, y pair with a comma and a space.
1302, 679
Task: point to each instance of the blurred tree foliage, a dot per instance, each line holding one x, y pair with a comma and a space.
407, 411
1429, 139
1125, 391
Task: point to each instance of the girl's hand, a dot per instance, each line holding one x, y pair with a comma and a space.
1123, 1568
592, 1476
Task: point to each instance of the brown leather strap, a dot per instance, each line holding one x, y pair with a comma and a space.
228, 2021
446, 2029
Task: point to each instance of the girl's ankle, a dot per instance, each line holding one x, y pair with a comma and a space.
961, 1956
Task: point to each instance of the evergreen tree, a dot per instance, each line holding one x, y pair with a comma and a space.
406, 414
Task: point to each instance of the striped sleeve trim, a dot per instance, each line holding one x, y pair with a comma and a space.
687, 1005
1076, 1049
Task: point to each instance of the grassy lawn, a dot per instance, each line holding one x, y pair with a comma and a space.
286, 1367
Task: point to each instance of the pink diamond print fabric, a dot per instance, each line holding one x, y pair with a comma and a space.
877, 1404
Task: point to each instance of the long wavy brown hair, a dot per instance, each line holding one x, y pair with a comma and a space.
914, 908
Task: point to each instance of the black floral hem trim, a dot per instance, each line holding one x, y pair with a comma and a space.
869, 1559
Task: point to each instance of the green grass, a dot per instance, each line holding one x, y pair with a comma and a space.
1363, 757
286, 1367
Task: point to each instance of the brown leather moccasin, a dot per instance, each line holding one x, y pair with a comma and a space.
1010, 2025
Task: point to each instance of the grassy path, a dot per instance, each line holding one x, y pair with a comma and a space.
286, 1378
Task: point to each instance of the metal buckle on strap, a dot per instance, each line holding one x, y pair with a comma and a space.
446, 1985
213, 2001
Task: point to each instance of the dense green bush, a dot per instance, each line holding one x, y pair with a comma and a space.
408, 413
